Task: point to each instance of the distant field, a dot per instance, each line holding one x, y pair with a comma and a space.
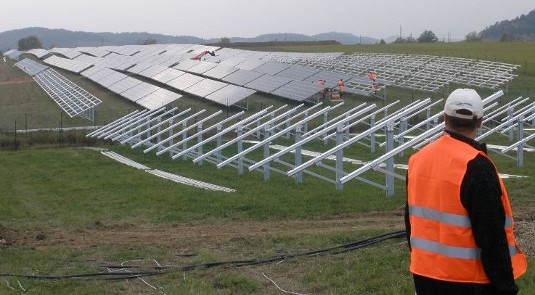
71, 216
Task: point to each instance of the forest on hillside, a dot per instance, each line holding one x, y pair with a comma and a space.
521, 28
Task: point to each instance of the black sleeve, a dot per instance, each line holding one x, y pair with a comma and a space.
481, 196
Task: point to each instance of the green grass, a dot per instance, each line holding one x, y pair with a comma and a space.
76, 189
83, 177
44, 189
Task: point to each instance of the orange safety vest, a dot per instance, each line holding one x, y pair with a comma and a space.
442, 242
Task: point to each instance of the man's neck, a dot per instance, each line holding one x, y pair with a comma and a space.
470, 133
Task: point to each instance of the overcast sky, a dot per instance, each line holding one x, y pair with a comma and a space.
249, 18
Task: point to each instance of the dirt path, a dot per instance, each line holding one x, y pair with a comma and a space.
190, 235
17, 81
166, 236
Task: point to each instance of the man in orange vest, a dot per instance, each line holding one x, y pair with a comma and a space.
458, 217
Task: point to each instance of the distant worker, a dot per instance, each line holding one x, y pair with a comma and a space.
458, 217
374, 88
371, 75
322, 91
341, 87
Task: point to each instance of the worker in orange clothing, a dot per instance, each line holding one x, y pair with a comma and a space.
458, 217
322, 91
341, 87
371, 75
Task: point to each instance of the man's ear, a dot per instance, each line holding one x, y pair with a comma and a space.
479, 122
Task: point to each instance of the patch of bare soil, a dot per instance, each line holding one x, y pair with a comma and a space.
525, 232
17, 81
189, 235
167, 235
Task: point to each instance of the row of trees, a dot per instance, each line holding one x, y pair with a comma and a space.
426, 37
430, 37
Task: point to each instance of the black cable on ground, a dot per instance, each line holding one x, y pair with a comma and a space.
159, 270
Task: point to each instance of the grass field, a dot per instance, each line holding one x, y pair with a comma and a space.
70, 216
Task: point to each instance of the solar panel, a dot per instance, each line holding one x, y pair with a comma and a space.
205, 87
297, 72
158, 98
138, 91
152, 70
167, 75
30, 67
242, 77
184, 81
69, 53
225, 53
297, 90
186, 64
250, 64
124, 63
124, 84
92, 71
233, 61
230, 95
267, 83
220, 71
87, 59
94, 51
139, 67
202, 67
38, 52
111, 79
13, 54
272, 67
67, 64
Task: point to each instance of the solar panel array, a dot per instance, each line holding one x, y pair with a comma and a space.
286, 74
74, 100
38, 52
12, 54
71, 98
421, 72
30, 67
67, 64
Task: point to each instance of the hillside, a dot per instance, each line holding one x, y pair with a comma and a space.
521, 28
65, 38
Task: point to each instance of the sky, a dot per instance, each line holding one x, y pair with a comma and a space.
249, 18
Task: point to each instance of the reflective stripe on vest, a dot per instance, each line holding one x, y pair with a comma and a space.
453, 252
447, 218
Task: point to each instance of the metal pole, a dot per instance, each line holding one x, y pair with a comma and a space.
390, 161
15, 134
298, 155
339, 157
